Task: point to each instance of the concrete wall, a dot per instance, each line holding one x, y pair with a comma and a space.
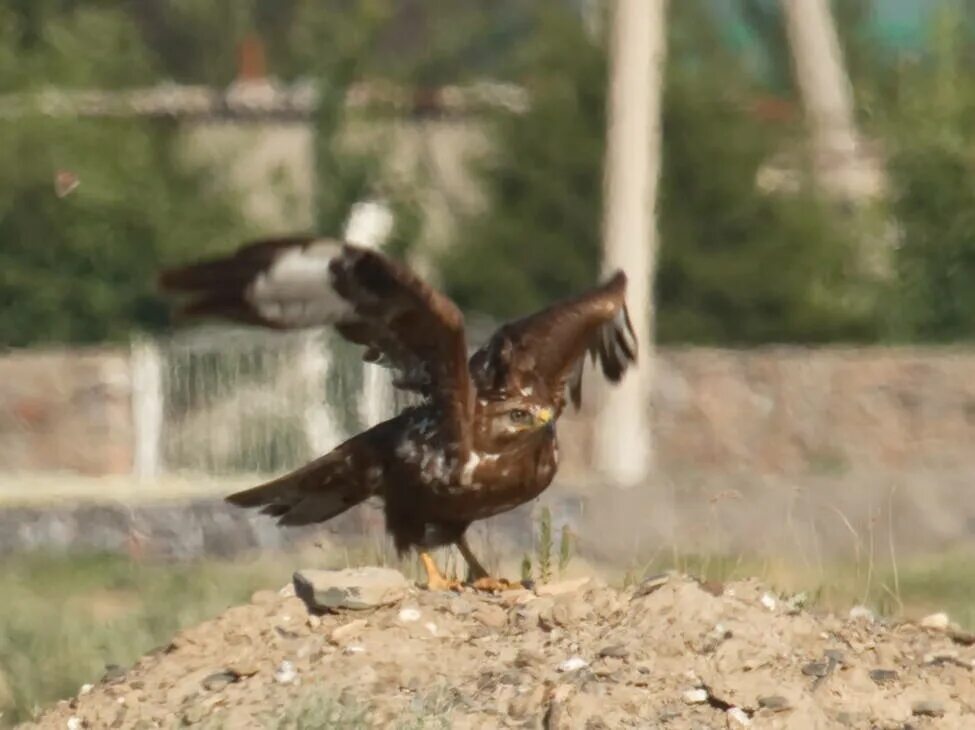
66, 410
767, 411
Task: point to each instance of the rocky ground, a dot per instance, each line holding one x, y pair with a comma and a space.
669, 652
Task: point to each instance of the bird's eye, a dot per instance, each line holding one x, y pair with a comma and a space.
520, 416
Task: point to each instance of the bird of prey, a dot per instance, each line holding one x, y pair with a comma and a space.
482, 439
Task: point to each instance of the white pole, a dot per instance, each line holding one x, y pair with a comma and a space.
841, 167
147, 409
623, 446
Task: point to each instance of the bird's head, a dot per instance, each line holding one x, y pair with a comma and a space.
512, 420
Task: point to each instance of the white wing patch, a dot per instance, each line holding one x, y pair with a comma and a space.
297, 289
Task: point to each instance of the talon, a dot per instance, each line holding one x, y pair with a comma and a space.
439, 583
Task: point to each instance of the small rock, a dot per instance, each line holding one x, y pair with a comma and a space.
287, 591
353, 588
75, 723
938, 621
861, 613
775, 703
883, 675
285, 673
355, 649
460, 607
816, 669
528, 658
492, 616
572, 664
431, 627
615, 650
796, 603
193, 715
113, 673
768, 600
928, 708
408, 615
219, 680
696, 696
737, 717
347, 631
562, 587
314, 621
85, 689
651, 584
835, 655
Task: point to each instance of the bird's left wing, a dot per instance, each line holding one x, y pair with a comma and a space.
550, 346
372, 300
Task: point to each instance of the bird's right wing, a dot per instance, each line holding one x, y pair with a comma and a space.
372, 300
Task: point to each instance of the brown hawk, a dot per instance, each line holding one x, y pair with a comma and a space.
482, 440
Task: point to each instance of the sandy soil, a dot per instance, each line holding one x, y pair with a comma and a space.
668, 653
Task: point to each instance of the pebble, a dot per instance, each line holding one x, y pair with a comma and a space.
615, 650
219, 680
883, 675
695, 696
775, 703
816, 669
861, 613
285, 673
572, 664
355, 649
75, 723
768, 600
938, 621
928, 708
408, 615
460, 607
492, 616
85, 689
737, 717
353, 588
651, 584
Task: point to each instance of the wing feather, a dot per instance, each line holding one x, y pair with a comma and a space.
370, 299
550, 346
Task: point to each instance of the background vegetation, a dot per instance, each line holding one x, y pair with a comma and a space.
80, 269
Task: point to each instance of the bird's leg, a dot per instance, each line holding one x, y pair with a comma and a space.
480, 579
435, 579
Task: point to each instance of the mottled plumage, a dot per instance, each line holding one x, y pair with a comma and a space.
483, 439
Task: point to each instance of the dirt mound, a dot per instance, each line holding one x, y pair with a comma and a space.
667, 653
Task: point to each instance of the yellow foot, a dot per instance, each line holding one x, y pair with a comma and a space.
494, 585
439, 583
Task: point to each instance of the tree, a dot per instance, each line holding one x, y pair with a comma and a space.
721, 236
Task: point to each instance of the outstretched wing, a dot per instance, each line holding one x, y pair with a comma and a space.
369, 298
548, 349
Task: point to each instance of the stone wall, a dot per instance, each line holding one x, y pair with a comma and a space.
765, 411
66, 410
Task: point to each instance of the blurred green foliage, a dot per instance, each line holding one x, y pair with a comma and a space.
737, 265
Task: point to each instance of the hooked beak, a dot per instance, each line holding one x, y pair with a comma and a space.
544, 416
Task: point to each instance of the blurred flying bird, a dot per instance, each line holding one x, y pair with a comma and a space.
481, 441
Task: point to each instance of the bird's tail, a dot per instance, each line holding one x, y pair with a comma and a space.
318, 491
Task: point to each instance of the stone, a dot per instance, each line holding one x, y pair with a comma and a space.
737, 717
695, 696
816, 669
774, 703
352, 588
219, 680
861, 613
928, 708
409, 615
285, 673
883, 675
492, 616
651, 584
615, 650
768, 600
937, 621
572, 664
